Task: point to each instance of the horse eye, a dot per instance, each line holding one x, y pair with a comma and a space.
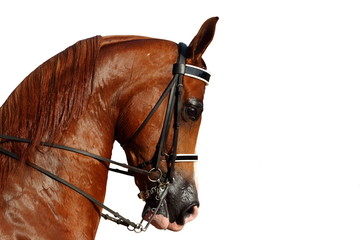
192, 113
193, 109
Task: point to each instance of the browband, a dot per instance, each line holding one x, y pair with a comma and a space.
198, 73
192, 71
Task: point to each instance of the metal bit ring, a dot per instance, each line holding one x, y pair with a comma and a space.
154, 175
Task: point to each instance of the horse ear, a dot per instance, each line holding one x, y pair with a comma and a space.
202, 39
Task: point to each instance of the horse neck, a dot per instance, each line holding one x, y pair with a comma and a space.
28, 192
25, 189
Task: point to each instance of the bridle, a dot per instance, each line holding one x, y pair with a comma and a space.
155, 175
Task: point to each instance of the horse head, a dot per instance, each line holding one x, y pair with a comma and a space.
181, 203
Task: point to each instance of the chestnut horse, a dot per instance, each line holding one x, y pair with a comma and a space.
58, 127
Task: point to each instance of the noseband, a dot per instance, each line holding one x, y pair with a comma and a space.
174, 90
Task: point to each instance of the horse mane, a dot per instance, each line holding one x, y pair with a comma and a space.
54, 94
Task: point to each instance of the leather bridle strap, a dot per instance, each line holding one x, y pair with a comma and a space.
179, 73
88, 154
118, 218
157, 105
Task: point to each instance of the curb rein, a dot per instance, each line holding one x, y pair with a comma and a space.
174, 90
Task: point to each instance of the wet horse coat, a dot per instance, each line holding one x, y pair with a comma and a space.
91, 94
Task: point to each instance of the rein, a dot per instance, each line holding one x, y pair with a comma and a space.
174, 90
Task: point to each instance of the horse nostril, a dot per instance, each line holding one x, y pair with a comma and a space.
188, 214
190, 210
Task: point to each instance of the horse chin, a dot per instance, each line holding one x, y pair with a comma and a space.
162, 222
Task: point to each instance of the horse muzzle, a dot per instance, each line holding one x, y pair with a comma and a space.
180, 206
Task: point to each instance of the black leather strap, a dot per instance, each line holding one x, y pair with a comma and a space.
181, 63
186, 158
75, 150
198, 73
152, 112
118, 218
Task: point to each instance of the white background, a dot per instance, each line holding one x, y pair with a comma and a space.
279, 143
